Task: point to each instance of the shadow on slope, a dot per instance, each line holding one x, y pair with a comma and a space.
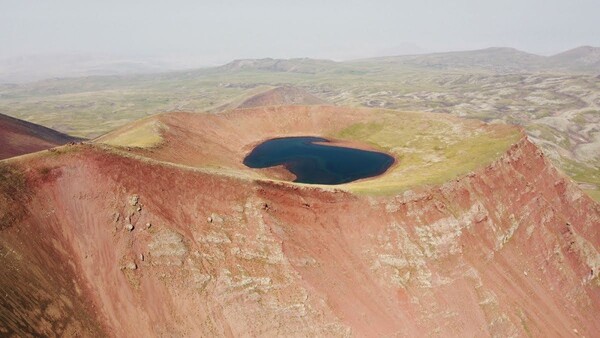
18, 137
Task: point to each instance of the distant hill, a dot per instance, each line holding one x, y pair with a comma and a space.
303, 65
18, 137
285, 95
499, 59
580, 58
584, 59
496, 59
271, 96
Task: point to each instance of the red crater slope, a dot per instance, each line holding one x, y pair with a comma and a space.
105, 240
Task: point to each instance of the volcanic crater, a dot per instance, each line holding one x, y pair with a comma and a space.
159, 228
432, 148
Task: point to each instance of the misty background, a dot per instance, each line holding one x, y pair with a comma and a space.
67, 38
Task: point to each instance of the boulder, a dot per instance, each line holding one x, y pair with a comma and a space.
133, 200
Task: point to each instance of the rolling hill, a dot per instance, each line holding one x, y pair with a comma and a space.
581, 58
300, 65
285, 95
18, 137
584, 59
489, 59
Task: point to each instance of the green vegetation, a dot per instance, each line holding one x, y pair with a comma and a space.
594, 194
428, 150
590, 175
143, 135
362, 131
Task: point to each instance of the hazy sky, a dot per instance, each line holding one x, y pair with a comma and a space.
218, 31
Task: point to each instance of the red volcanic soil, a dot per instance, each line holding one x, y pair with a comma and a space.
508, 250
222, 140
18, 137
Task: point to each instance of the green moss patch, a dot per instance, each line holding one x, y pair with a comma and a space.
430, 149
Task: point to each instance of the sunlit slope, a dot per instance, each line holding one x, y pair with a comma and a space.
145, 133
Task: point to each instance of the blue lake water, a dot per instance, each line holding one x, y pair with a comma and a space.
318, 163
